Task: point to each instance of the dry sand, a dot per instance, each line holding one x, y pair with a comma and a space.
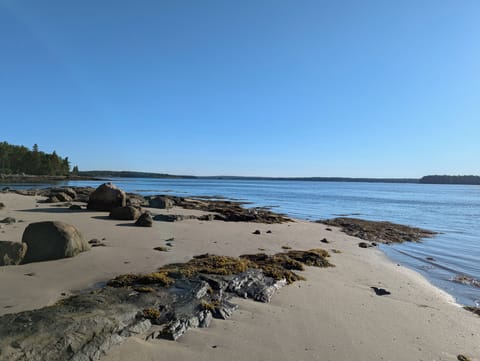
334, 315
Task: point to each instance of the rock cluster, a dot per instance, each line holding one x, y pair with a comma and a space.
107, 197
381, 232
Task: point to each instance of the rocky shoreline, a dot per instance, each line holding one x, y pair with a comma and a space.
27, 178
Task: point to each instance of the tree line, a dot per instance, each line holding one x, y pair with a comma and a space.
18, 159
451, 179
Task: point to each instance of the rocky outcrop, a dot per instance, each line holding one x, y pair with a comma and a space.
12, 253
127, 213
228, 211
173, 299
380, 232
145, 220
107, 197
52, 240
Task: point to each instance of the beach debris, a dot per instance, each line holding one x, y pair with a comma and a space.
257, 231
161, 249
324, 240
106, 197
12, 253
8, 220
175, 298
467, 280
30, 274
380, 291
145, 220
127, 213
52, 240
286, 247
463, 358
475, 310
380, 232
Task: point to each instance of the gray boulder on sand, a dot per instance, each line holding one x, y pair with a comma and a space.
52, 240
160, 202
12, 253
127, 213
107, 197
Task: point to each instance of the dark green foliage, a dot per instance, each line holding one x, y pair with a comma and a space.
17, 159
450, 179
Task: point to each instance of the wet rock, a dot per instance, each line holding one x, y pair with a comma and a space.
106, 197
145, 220
173, 217
381, 232
126, 213
52, 240
12, 253
467, 280
160, 202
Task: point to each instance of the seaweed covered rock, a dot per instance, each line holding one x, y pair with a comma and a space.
382, 232
12, 253
107, 197
175, 298
52, 240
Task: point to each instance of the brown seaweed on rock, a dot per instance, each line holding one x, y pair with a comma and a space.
375, 231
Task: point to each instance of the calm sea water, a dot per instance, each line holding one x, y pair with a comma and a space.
453, 210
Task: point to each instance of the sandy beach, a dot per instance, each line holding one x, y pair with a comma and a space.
333, 315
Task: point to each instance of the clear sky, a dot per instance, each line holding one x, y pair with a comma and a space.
274, 88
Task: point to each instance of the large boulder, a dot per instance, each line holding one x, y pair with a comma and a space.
127, 213
161, 202
52, 240
12, 253
107, 197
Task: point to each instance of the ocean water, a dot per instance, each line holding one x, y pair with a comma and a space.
452, 210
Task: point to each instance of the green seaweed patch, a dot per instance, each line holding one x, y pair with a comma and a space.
130, 279
208, 264
151, 313
209, 306
475, 310
144, 289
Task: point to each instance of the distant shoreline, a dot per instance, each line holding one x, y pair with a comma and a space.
102, 175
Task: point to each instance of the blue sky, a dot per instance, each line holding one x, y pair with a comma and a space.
274, 88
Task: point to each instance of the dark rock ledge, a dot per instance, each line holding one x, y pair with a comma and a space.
164, 304
380, 232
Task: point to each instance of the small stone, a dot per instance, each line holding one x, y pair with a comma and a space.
325, 240
257, 232
328, 229
269, 231
2, 205
145, 220
30, 274
363, 245
161, 249
463, 358
380, 291
8, 220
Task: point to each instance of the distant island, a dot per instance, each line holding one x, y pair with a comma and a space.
451, 179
